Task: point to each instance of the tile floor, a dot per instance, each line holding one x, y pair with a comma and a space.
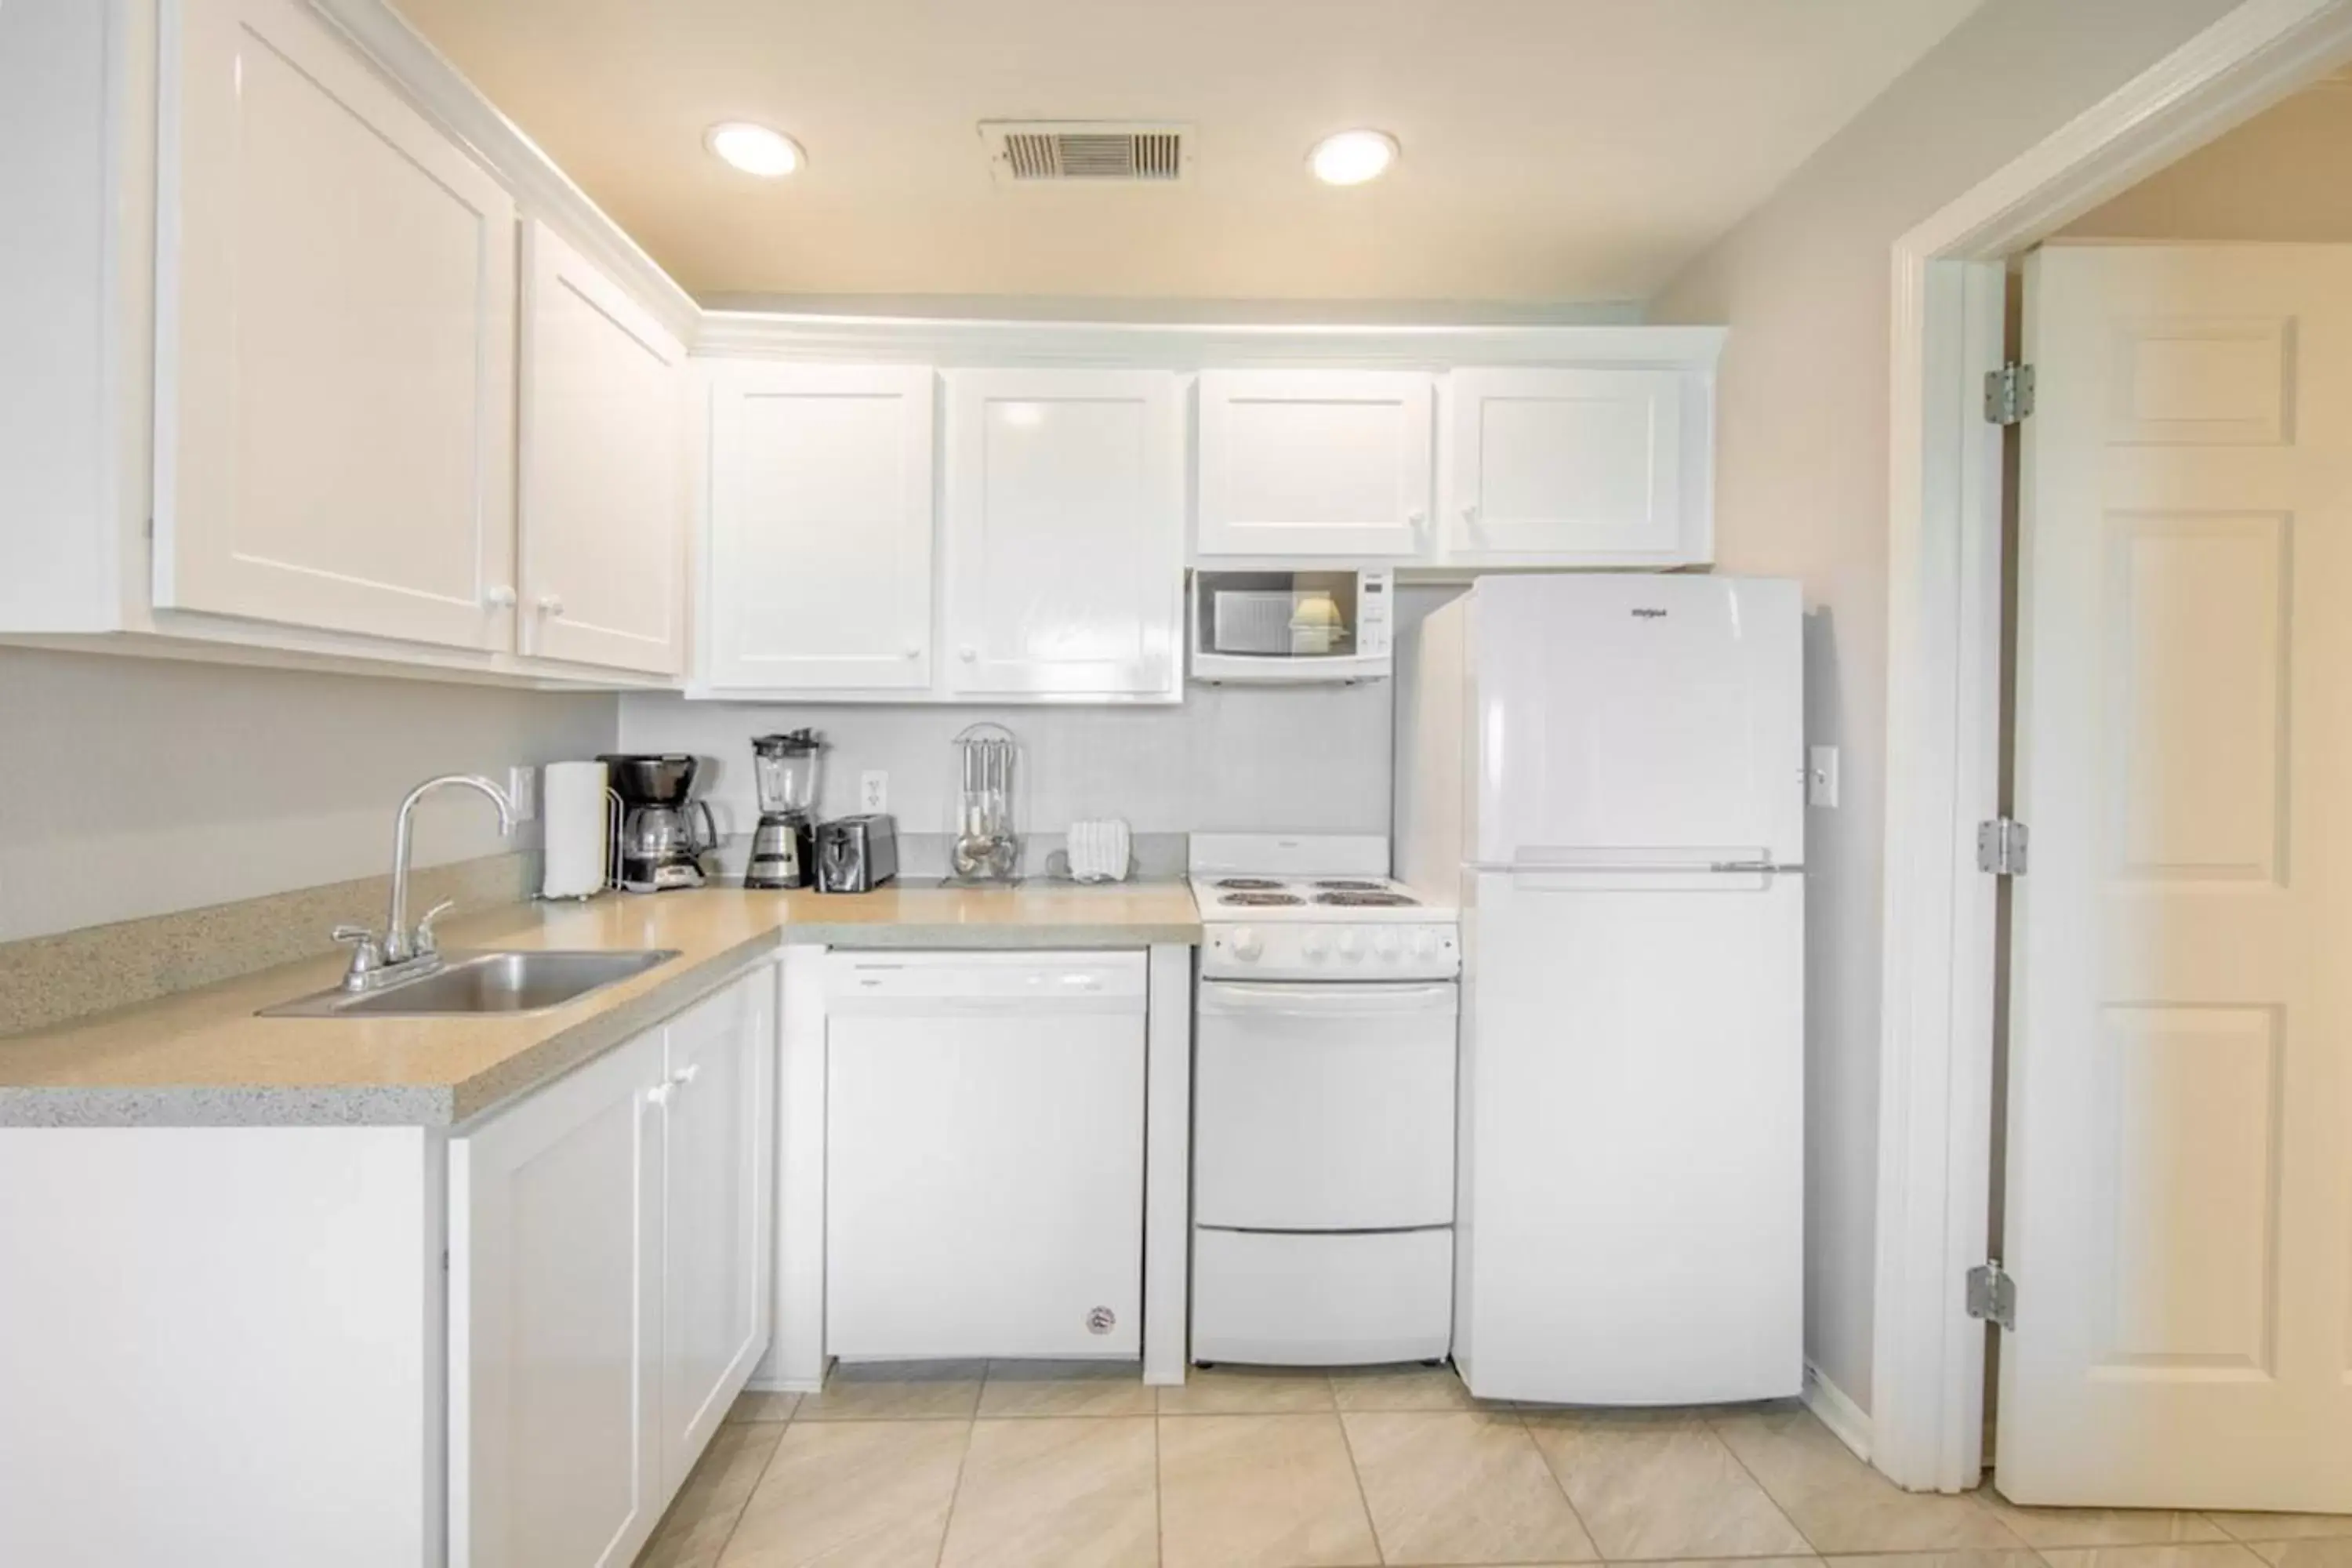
1017, 1465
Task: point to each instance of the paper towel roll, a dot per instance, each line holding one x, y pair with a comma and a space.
578, 830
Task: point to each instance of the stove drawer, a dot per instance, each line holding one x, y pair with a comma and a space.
1323, 1107
1322, 1299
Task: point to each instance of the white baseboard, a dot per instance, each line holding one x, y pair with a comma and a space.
1838, 1412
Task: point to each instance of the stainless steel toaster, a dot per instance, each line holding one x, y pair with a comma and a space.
856, 853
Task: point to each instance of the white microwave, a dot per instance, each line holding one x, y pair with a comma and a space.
1292, 626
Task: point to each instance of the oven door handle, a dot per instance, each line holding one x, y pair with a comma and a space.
1321, 999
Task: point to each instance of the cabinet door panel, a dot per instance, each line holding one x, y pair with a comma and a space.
1064, 532
1314, 462
715, 1295
1600, 467
335, 332
602, 497
555, 1302
820, 562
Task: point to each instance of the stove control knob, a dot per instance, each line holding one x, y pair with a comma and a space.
1248, 944
1351, 946
1387, 945
1425, 943
1314, 946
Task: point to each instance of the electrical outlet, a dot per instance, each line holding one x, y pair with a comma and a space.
522, 792
874, 790
1822, 777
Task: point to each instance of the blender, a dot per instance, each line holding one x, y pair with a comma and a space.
783, 846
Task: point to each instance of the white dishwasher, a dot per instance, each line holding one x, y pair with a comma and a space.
984, 1155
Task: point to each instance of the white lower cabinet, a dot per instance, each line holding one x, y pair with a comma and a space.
606, 1287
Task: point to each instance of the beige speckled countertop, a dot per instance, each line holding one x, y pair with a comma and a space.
203, 1058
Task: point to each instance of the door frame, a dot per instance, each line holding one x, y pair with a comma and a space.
1942, 723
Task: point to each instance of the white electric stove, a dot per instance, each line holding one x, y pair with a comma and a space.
1323, 1105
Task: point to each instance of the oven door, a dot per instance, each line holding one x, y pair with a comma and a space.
1324, 1107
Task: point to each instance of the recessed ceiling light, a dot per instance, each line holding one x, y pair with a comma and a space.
755, 149
1352, 157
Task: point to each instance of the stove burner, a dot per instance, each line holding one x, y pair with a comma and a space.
1349, 885
1374, 900
1258, 884
1260, 900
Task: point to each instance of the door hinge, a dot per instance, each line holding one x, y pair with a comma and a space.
2009, 394
2001, 847
1993, 1294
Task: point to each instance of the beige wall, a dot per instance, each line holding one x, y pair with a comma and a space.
1803, 284
2280, 177
135, 786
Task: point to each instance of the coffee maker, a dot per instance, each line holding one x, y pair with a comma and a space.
665, 833
783, 846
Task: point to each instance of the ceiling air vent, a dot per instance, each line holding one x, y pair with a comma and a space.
1099, 152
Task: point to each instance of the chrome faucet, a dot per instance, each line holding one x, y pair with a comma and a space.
401, 952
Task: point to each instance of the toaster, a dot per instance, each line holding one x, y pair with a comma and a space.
856, 853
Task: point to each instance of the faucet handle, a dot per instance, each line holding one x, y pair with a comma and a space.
423, 943
367, 954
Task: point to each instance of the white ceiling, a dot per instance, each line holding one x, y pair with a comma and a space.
1554, 150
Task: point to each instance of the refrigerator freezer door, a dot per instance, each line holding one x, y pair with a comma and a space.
1631, 1212
1660, 717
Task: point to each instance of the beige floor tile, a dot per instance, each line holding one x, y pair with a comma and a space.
1247, 1391
1067, 1388
2079, 1527
1461, 1486
852, 1494
2283, 1526
1660, 1485
897, 1390
750, 1406
1842, 1504
2226, 1554
1076, 1492
2315, 1552
703, 1514
1736, 1563
1937, 1560
1410, 1387
1259, 1491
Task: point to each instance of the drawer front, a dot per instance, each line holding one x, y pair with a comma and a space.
1324, 1107
984, 1187
1322, 1301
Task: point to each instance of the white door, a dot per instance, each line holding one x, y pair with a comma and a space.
2179, 1188
718, 1148
335, 343
983, 1155
1323, 1107
1064, 532
554, 1321
819, 575
1600, 467
1315, 462
602, 494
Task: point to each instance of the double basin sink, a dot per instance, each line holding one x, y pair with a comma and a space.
483, 984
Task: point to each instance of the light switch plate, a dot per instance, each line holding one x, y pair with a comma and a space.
522, 792
874, 790
1822, 777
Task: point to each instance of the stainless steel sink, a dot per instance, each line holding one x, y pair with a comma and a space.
530, 980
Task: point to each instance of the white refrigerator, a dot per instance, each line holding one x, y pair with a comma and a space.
1609, 771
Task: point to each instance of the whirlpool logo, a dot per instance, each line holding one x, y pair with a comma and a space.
1644, 613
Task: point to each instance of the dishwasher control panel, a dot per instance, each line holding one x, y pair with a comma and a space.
1288, 950
882, 979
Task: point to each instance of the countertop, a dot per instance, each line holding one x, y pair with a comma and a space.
203, 1058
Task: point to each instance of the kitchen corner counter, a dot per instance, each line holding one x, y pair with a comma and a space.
203, 1059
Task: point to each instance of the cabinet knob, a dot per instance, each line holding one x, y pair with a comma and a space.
968, 654
1470, 514
660, 1094
687, 1074
914, 653
1416, 518
500, 597
549, 604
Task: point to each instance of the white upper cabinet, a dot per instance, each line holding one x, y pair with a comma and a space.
1065, 500
601, 496
335, 343
819, 572
1563, 468
1314, 462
